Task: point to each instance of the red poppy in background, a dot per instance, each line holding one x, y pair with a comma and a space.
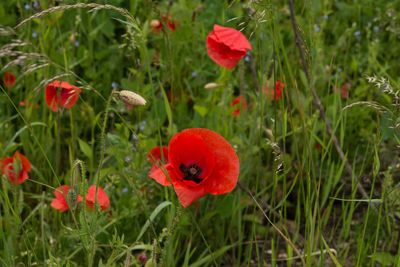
9, 79
102, 198
61, 94
157, 25
274, 94
59, 202
317, 145
23, 104
200, 162
344, 90
155, 157
226, 46
240, 102
16, 168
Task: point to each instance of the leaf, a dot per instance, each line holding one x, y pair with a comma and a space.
86, 149
201, 110
152, 217
375, 200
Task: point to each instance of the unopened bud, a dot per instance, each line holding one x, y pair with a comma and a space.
154, 23
210, 85
132, 98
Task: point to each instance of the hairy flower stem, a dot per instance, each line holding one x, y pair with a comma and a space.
319, 104
97, 178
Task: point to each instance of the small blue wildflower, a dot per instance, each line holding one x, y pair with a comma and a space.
21, 64
247, 58
194, 74
127, 159
339, 69
376, 28
143, 124
325, 16
134, 137
105, 186
261, 36
35, 5
76, 43
317, 28
34, 35
113, 84
125, 189
251, 11
385, 85
357, 33
337, 76
27, 6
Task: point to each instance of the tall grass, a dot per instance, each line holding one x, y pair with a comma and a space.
299, 201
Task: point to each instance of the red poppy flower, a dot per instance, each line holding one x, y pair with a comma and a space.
200, 162
102, 198
59, 202
157, 25
240, 102
226, 46
23, 104
9, 79
274, 94
344, 90
317, 146
16, 168
155, 156
61, 94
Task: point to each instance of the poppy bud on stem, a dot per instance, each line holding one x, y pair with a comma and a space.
132, 98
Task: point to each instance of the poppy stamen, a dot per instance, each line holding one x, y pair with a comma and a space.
192, 173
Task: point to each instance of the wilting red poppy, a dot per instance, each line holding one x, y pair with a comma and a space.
240, 102
61, 94
200, 162
344, 90
16, 168
317, 145
60, 202
9, 79
102, 198
155, 157
274, 94
226, 46
157, 25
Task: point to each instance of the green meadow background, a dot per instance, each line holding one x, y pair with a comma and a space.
307, 208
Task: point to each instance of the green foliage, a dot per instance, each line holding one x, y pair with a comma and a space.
287, 157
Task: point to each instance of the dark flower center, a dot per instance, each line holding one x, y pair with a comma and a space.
192, 173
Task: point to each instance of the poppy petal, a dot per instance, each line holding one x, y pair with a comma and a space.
51, 96
225, 174
160, 177
22, 177
189, 148
232, 38
102, 198
26, 165
187, 196
58, 193
59, 205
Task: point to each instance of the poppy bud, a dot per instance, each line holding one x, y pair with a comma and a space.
210, 85
72, 38
154, 23
132, 98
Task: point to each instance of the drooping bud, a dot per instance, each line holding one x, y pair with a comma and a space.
132, 98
